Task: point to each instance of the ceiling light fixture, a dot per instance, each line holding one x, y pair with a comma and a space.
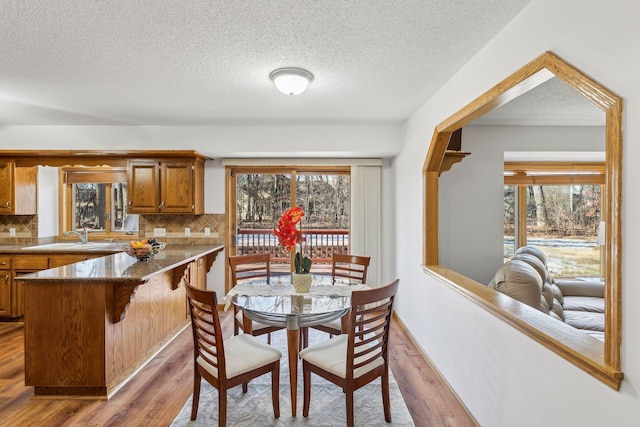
291, 81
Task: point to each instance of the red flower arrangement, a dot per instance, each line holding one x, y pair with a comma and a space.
290, 235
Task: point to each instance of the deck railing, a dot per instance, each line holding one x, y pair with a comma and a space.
320, 244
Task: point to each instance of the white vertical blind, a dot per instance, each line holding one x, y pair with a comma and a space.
366, 220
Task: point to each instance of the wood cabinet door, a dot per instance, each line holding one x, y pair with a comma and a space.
176, 187
5, 293
6, 187
143, 187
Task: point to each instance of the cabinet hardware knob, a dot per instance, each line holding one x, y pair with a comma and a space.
161, 205
7, 204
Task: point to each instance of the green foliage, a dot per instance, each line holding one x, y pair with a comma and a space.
302, 264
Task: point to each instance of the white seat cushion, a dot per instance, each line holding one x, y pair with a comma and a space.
335, 324
243, 353
254, 325
331, 355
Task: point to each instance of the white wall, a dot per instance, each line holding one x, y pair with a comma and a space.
503, 377
471, 193
47, 201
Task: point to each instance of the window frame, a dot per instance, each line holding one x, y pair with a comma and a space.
523, 174
70, 175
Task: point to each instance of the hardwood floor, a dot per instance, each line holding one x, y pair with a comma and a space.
157, 393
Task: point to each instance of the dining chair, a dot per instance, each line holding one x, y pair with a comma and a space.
245, 267
353, 360
353, 268
350, 267
226, 363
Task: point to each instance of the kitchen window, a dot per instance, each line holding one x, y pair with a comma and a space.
96, 199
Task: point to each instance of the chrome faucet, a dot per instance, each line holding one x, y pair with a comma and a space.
83, 235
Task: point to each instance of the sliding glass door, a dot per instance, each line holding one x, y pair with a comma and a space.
256, 197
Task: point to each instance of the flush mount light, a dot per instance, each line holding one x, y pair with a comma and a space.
291, 81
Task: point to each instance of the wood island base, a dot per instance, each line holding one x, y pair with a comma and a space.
75, 346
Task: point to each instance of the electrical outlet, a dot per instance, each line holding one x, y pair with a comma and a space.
159, 232
207, 231
187, 231
12, 232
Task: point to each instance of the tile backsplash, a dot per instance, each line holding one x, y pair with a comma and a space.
25, 228
175, 225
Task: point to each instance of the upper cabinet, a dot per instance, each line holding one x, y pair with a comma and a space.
159, 181
18, 189
166, 186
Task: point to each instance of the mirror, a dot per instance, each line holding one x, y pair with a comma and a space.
552, 75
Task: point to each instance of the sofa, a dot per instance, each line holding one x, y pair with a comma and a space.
579, 303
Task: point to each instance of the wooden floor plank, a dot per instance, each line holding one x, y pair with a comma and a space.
158, 391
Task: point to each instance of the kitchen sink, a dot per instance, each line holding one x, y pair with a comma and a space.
66, 246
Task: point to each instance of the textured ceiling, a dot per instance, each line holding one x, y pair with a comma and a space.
553, 103
199, 62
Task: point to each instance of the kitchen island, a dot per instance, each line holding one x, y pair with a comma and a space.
90, 325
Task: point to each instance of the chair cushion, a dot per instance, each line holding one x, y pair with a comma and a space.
331, 355
243, 353
254, 325
335, 324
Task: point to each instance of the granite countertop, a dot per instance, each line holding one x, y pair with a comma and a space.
122, 274
120, 267
105, 247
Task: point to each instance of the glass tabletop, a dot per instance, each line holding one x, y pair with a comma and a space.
278, 304
309, 304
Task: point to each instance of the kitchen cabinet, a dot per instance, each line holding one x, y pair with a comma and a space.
18, 189
197, 274
20, 265
5, 286
166, 186
14, 265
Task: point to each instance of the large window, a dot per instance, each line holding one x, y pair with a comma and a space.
558, 211
96, 199
261, 195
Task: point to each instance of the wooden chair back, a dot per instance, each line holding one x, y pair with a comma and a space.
209, 356
369, 326
250, 267
350, 267
244, 267
367, 350
207, 333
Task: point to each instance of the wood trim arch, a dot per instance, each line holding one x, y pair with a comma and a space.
541, 69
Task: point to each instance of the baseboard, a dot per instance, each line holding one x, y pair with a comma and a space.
433, 365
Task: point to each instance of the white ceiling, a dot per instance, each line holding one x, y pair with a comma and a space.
200, 62
553, 103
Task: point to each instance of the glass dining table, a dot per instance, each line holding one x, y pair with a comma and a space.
278, 304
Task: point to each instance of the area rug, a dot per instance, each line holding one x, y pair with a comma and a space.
327, 407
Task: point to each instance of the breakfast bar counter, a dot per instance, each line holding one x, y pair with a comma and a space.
92, 324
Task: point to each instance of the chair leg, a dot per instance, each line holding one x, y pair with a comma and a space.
236, 324
222, 408
245, 387
350, 419
275, 389
196, 394
386, 403
306, 380
304, 338
269, 338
